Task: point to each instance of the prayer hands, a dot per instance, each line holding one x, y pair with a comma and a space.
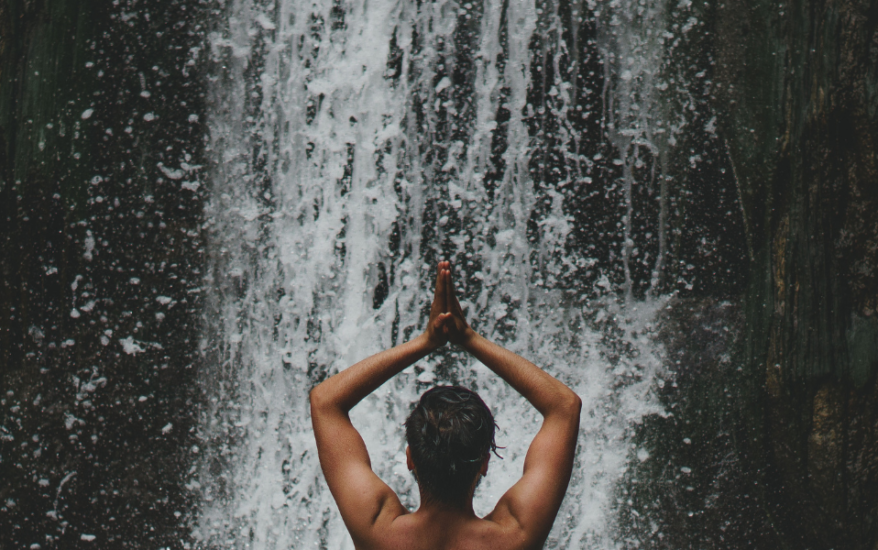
456, 329
447, 322
438, 311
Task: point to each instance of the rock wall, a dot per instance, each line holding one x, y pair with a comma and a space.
772, 433
100, 253
800, 79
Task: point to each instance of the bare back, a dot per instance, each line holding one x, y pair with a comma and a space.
445, 531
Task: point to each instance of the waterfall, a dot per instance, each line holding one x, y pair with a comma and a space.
355, 144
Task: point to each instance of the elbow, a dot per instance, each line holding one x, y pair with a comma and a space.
573, 409
577, 401
325, 400
566, 407
571, 403
317, 399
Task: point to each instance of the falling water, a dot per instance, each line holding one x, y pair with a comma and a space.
354, 145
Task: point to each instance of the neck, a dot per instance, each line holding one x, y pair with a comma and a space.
431, 506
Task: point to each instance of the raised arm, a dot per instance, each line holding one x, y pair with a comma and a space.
363, 499
534, 501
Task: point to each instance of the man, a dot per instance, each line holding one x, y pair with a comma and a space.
450, 436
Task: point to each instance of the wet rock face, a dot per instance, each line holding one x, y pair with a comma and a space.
783, 441
808, 188
796, 108
100, 255
794, 96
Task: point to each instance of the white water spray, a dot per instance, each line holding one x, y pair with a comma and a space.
345, 165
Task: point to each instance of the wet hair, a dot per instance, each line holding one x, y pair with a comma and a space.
450, 433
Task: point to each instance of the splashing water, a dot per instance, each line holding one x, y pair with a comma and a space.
355, 144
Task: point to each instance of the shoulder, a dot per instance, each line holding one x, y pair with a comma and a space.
502, 526
376, 528
393, 529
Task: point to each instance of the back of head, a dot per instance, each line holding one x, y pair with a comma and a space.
450, 433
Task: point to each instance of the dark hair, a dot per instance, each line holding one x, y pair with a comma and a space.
450, 433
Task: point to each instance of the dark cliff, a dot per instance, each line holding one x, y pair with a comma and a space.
100, 252
772, 436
